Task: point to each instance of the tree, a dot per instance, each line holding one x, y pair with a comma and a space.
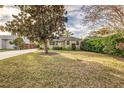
101, 32
1, 6
67, 33
18, 42
38, 23
104, 15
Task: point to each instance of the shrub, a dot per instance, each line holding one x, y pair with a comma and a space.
108, 45
94, 45
57, 48
67, 48
18, 42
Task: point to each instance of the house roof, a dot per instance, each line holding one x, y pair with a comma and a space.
67, 39
7, 37
59, 39
72, 39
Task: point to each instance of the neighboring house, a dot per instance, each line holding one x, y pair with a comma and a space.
65, 42
5, 42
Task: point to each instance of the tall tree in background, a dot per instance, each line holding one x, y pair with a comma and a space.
39, 23
103, 31
67, 33
104, 15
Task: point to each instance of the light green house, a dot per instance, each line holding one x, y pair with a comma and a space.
65, 42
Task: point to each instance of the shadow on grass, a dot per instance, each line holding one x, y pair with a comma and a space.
57, 71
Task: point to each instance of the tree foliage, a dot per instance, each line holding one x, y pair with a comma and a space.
38, 23
104, 15
113, 44
104, 31
18, 42
67, 33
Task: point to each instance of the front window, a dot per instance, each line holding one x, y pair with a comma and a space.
77, 42
68, 42
56, 42
52, 43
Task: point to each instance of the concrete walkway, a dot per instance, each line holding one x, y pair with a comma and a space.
7, 54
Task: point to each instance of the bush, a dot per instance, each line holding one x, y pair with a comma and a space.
67, 48
104, 45
18, 42
94, 45
40, 47
57, 48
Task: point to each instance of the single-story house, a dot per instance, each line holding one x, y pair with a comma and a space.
5, 42
65, 42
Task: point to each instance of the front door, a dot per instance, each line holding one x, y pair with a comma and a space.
73, 46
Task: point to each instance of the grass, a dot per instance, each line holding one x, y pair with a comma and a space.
65, 69
3, 50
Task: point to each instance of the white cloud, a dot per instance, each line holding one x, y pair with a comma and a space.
78, 31
8, 10
70, 8
74, 23
6, 13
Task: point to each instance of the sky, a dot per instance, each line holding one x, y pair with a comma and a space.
73, 25
6, 15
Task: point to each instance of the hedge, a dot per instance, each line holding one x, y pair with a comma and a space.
104, 44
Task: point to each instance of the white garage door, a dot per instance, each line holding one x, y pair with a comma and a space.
4, 43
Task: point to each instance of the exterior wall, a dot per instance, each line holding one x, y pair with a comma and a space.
29, 46
64, 44
4, 42
72, 42
56, 44
8, 45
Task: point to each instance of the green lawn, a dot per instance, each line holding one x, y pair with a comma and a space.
3, 50
64, 69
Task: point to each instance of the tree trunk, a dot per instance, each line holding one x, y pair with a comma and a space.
45, 46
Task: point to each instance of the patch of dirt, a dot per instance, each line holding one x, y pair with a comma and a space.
50, 53
83, 61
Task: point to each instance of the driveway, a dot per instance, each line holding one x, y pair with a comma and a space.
7, 54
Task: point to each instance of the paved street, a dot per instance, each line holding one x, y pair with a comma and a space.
7, 54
